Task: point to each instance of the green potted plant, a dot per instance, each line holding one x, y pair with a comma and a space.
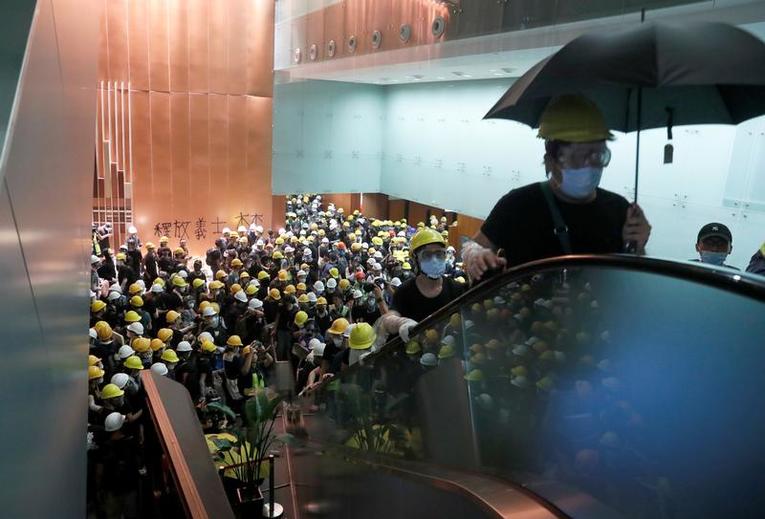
241, 453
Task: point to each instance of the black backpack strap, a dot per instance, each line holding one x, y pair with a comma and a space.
561, 229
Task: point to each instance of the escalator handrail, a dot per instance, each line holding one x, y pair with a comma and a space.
742, 283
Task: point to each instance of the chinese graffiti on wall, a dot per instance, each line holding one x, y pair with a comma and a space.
199, 228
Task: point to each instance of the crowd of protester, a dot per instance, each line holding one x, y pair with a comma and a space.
312, 293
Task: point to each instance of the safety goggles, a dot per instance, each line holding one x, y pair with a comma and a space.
580, 159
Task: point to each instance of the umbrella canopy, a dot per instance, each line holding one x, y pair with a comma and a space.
693, 73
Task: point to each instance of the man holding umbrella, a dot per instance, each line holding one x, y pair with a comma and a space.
568, 213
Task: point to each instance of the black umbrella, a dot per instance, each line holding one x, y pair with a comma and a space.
650, 76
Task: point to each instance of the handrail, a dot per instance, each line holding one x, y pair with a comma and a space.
719, 277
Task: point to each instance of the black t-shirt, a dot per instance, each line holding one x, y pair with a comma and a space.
521, 224
409, 301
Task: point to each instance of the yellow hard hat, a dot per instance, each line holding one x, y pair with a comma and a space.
446, 351
322, 232
263, 275
158, 281
112, 390
275, 294
413, 348
406, 266
97, 306
573, 118
460, 280
277, 255
371, 251
280, 241
215, 285
355, 246
132, 317
203, 305
301, 286
172, 316
334, 272
164, 334
95, 372
362, 336
136, 301
236, 287
301, 318
234, 340
104, 331
156, 345
170, 356
179, 282
150, 246
198, 282
131, 362
141, 344
289, 289
164, 239
344, 284
475, 375
244, 275
321, 301
93, 360
283, 275
251, 290
236, 262
303, 298
339, 326
121, 256
135, 288
221, 274
426, 237
208, 346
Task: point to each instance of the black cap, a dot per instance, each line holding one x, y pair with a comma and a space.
718, 230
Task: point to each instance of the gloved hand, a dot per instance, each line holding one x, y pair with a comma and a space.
403, 329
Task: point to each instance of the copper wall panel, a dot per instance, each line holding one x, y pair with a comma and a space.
334, 29
198, 45
117, 39
355, 16
218, 118
103, 48
379, 17
179, 149
199, 149
159, 105
375, 205
159, 65
178, 37
236, 69
218, 47
237, 143
315, 36
260, 48
199, 120
396, 209
466, 226
138, 44
339, 199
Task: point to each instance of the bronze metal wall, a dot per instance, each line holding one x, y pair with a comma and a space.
199, 75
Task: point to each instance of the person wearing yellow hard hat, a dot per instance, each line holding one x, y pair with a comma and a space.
568, 213
430, 290
360, 342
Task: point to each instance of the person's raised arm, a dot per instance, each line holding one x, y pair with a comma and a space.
479, 255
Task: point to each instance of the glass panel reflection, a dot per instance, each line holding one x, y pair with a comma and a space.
640, 391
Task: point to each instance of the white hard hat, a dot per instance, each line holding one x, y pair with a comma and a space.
157, 288
377, 266
259, 228
311, 297
429, 360
301, 274
115, 288
239, 296
451, 249
141, 283
317, 347
94, 259
209, 312
125, 352
378, 255
318, 286
113, 295
241, 229
120, 380
448, 340
132, 229
255, 304
183, 346
252, 227
365, 245
331, 283
395, 282
159, 369
254, 283
136, 328
260, 243
325, 241
114, 422
357, 294
288, 250
226, 230
93, 333
302, 232
183, 274
371, 261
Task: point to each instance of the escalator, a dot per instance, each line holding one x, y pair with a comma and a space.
593, 387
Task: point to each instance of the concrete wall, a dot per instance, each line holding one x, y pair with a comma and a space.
47, 172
